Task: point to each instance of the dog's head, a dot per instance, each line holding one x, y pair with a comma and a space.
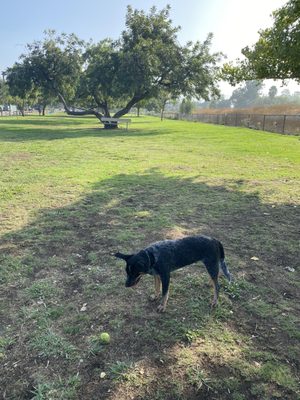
136, 265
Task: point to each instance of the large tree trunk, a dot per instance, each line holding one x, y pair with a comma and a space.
163, 110
162, 114
104, 106
129, 105
22, 109
111, 125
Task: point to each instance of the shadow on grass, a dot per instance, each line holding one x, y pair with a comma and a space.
53, 120
58, 276
12, 130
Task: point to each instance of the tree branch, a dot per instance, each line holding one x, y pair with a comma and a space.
82, 112
135, 99
102, 104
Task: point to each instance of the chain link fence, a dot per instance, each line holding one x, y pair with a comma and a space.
286, 124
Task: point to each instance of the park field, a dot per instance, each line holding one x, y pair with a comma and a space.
72, 194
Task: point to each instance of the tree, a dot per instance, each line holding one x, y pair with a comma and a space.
44, 99
186, 106
276, 53
273, 92
158, 103
4, 95
139, 105
220, 103
146, 59
18, 79
3, 92
247, 94
55, 67
162, 99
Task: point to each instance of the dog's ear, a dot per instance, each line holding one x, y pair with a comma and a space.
123, 256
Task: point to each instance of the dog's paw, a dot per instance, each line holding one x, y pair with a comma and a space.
161, 308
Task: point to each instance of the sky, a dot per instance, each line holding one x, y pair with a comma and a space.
234, 23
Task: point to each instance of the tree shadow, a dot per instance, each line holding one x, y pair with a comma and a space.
59, 128
69, 250
53, 120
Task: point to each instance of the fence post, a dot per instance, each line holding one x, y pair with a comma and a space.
283, 127
236, 118
264, 121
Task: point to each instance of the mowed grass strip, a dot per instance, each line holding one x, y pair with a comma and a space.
72, 193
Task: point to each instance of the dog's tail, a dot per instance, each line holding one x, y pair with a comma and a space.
223, 263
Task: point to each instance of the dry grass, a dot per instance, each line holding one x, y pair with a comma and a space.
279, 109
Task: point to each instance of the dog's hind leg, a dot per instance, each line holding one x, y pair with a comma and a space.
213, 270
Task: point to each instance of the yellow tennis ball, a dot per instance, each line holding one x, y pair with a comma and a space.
104, 338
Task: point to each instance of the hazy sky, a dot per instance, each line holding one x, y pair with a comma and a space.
234, 23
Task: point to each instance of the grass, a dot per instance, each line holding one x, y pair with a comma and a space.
71, 194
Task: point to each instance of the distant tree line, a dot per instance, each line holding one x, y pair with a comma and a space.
249, 94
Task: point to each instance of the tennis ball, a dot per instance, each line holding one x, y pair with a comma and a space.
104, 338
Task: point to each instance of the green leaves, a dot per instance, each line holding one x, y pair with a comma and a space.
276, 53
145, 60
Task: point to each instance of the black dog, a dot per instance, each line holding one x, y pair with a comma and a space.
161, 258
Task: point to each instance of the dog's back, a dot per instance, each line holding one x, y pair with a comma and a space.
186, 251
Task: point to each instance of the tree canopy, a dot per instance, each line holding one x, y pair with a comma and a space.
94, 78
246, 95
20, 86
4, 95
276, 53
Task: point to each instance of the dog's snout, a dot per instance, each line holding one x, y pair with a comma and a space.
132, 281
128, 283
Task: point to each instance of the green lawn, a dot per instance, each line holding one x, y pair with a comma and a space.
71, 194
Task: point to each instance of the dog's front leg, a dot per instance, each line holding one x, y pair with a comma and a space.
165, 280
157, 286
